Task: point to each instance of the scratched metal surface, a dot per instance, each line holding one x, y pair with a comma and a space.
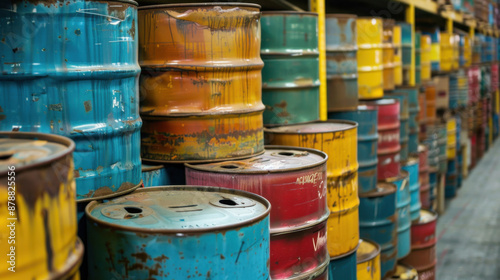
468, 244
70, 68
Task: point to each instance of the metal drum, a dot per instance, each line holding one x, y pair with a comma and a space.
423, 242
451, 127
341, 62
459, 168
407, 45
338, 139
456, 52
476, 49
446, 42
435, 49
404, 128
430, 102
290, 41
403, 201
398, 56
425, 57
200, 82
414, 109
161, 175
451, 179
433, 182
432, 144
366, 117
75, 74
412, 168
418, 54
388, 53
405, 272
388, 142
425, 188
343, 267
377, 222
294, 181
442, 91
158, 231
368, 261
474, 78
442, 146
38, 206
370, 58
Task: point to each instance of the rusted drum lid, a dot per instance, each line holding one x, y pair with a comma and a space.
179, 209
367, 251
275, 159
404, 272
314, 127
25, 150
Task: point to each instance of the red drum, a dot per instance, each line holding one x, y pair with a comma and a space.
423, 245
388, 141
294, 181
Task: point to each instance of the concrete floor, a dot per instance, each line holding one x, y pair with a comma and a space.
468, 233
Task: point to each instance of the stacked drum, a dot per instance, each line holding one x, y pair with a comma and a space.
388, 54
294, 182
291, 96
341, 65
170, 232
76, 76
370, 58
423, 244
193, 110
338, 139
407, 45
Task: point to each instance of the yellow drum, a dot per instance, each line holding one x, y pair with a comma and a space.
388, 54
398, 70
338, 139
38, 205
451, 129
370, 58
446, 59
467, 51
425, 58
368, 261
456, 51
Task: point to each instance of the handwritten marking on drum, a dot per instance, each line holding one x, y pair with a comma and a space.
320, 242
310, 179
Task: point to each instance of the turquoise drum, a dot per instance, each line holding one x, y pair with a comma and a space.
179, 232
412, 168
377, 222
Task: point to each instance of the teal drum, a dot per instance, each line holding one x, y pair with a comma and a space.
413, 109
70, 68
290, 77
418, 53
343, 267
341, 62
161, 175
433, 181
404, 128
451, 182
407, 45
403, 201
442, 136
412, 168
367, 117
377, 222
179, 232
